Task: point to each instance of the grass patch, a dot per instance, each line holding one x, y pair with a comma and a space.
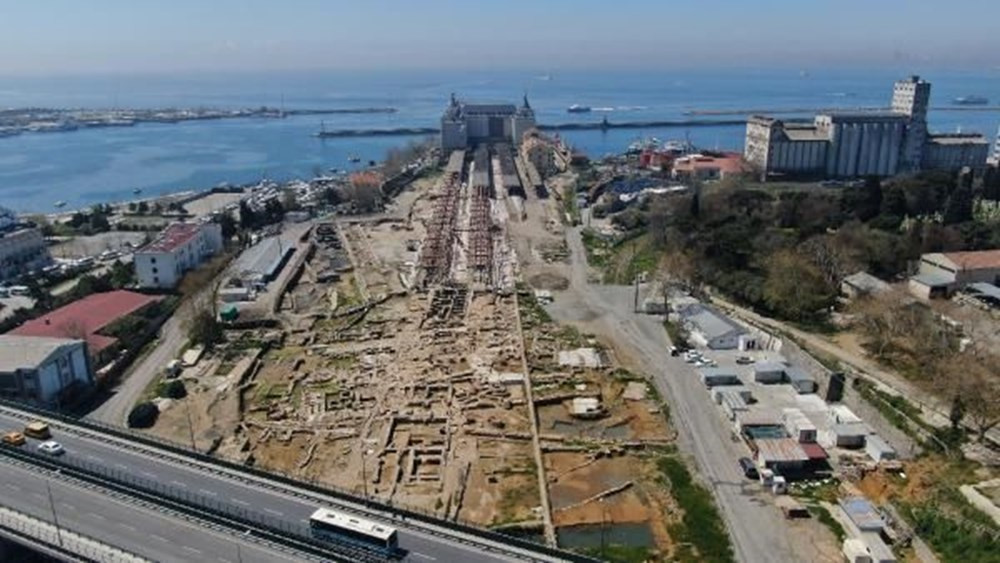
701, 528
517, 501
962, 537
824, 517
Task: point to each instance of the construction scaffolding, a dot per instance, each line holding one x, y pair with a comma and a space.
436, 253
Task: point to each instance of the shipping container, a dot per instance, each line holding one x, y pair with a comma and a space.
878, 449
798, 425
768, 372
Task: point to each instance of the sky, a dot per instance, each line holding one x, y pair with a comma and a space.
50, 37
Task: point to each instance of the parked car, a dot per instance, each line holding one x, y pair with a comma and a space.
748, 467
14, 439
51, 447
744, 360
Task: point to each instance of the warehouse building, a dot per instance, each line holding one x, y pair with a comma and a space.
178, 248
942, 273
855, 144
464, 125
41, 370
710, 328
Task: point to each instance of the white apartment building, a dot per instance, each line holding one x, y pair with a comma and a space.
179, 248
38, 369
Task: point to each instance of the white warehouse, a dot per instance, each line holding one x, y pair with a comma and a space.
39, 369
179, 248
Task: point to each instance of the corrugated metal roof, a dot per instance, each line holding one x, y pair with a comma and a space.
780, 450
710, 322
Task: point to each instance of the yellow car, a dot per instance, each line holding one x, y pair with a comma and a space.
13, 439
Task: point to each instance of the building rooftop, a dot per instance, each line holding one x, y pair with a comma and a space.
172, 238
985, 289
807, 133
931, 280
975, 259
710, 322
862, 513
866, 282
24, 352
780, 450
957, 139
84, 318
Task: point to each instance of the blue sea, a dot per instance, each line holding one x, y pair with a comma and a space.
100, 165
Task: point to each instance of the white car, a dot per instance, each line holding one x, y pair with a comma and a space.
51, 447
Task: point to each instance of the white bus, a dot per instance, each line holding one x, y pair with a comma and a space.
331, 525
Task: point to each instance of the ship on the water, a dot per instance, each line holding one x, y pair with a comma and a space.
970, 101
577, 108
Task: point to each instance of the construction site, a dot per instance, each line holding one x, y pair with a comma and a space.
407, 361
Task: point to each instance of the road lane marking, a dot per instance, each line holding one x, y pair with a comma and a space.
224, 560
273, 511
38, 495
238, 501
206, 492
93, 457
160, 538
126, 526
178, 483
418, 554
96, 515
191, 549
121, 466
150, 475
12, 486
67, 505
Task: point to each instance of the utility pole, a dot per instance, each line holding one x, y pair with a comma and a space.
52, 505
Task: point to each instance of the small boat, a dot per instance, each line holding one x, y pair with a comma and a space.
137, 191
577, 108
60, 204
353, 158
970, 101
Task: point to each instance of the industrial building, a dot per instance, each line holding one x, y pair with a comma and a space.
854, 144
42, 370
942, 273
178, 248
465, 125
22, 247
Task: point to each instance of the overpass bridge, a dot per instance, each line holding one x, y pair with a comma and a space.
161, 501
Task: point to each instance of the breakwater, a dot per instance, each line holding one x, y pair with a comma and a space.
579, 126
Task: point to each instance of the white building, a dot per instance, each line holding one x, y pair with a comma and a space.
22, 248
178, 248
464, 124
710, 328
38, 369
850, 145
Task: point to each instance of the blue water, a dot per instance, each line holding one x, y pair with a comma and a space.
97, 165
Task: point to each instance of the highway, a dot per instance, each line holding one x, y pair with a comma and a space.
145, 531
755, 526
244, 491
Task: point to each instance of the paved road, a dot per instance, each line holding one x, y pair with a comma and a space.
140, 530
113, 455
756, 527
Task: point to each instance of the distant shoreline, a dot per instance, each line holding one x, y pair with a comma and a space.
14, 122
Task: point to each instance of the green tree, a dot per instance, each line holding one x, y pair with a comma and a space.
958, 208
794, 287
205, 329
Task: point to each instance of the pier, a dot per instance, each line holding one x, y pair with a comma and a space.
856, 109
582, 126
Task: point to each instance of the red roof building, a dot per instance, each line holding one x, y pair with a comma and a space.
710, 167
83, 319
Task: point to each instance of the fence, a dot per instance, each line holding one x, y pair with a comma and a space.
61, 540
412, 514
